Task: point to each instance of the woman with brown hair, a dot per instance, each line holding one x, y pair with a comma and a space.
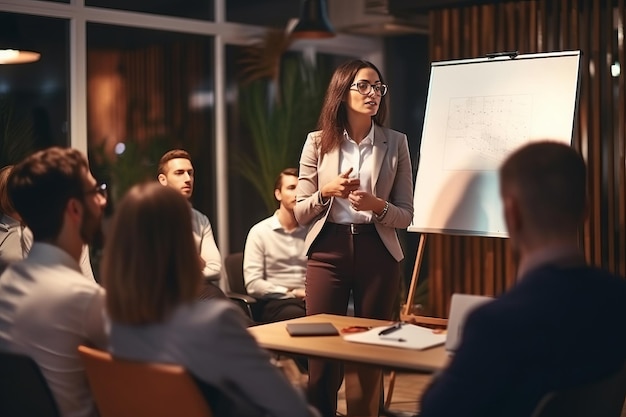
151, 272
355, 188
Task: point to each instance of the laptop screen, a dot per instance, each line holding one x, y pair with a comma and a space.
460, 307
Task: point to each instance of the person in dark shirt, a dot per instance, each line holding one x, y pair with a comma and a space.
561, 325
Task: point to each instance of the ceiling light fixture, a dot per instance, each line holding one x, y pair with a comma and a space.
313, 23
12, 51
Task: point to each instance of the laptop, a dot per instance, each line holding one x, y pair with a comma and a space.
460, 307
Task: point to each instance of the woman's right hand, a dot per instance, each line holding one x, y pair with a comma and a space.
341, 186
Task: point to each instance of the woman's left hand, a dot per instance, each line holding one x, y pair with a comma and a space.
362, 200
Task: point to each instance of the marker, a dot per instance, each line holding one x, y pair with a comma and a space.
391, 329
393, 339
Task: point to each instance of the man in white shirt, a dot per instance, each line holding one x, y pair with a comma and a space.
176, 171
274, 262
47, 306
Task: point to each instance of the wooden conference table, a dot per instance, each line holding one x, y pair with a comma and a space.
274, 337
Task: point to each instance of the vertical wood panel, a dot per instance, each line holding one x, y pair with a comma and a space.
486, 265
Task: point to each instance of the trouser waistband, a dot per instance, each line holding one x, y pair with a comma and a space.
352, 228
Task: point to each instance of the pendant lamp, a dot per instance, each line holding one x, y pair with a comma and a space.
12, 50
313, 23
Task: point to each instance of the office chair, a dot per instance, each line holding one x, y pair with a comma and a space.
124, 388
233, 263
24, 391
604, 398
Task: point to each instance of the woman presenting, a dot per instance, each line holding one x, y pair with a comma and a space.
355, 188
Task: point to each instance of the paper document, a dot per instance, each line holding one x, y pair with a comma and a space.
407, 336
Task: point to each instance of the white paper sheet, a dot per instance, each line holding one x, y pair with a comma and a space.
408, 336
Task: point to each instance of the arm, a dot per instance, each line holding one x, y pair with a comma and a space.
254, 271
94, 323
85, 263
400, 212
309, 204
208, 249
313, 198
251, 373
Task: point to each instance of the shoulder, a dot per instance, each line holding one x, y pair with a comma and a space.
216, 313
389, 134
261, 227
199, 217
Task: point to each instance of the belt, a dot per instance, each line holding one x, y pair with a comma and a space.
352, 228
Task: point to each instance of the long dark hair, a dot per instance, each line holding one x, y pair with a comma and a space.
334, 117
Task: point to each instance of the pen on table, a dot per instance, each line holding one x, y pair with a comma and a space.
393, 339
391, 329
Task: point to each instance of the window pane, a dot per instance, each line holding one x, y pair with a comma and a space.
149, 91
196, 9
34, 96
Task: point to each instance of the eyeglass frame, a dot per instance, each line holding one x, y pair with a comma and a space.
101, 189
377, 87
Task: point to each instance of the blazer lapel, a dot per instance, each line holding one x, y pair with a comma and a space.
378, 153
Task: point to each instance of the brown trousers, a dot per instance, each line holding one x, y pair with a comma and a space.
340, 263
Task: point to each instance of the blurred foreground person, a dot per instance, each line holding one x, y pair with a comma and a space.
151, 271
47, 306
561, 325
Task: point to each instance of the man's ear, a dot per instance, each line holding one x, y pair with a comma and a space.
74, 209
278, 195
512, 214
162, 179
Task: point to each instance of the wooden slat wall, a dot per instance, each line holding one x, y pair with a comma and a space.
486, 265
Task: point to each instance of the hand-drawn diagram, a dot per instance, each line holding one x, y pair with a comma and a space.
482, 130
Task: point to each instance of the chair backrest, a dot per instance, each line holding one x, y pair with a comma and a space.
604, 398
234, 272
124, 388
24, 391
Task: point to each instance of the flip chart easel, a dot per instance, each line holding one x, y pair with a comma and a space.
477, 112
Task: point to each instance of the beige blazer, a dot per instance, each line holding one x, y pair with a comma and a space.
391, 180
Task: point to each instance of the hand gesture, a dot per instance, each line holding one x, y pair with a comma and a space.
362, 200
341, 186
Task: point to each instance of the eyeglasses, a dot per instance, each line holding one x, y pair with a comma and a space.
101, 189
365, 88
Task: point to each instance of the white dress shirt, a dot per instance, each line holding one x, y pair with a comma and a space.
48, 308
203, 233
357, 156
274, 260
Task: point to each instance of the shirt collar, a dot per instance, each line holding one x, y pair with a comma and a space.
556, 255
48, 254
275, 224
367, 140
9, 221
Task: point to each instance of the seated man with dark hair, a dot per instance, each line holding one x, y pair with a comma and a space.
561, 325
176, 171
47, 306
274, 262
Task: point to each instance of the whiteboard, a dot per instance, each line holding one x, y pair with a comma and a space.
477, 112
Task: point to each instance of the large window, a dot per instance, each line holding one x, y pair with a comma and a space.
34, 96
149, 91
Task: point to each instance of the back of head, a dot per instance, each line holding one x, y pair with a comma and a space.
150, 263
548, 179
42, 184
6, 206
169, 155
